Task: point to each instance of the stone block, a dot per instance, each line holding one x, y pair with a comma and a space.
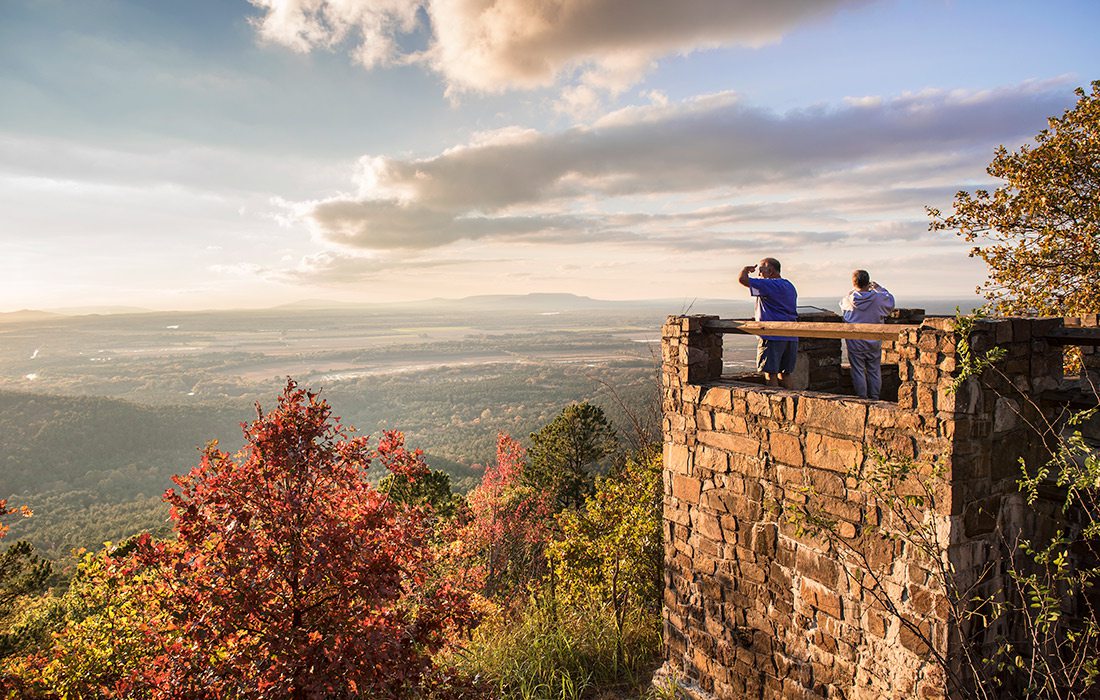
907, 396
826, 482
717, 397
821, 598
926, 398
980, 517
677, 458
748, 465
894, 446
842, 508
790, 477
1006, 415
712, 500
758, 403
837, 416
783, 407
835, 454
946, 324
764, 538
876, 623
928, 340
686, 489
739, 444
677, 514
817, 566
882, 416
711, 459
730, 423
785, 448
704, 420
915, 640
709, 527
927, 373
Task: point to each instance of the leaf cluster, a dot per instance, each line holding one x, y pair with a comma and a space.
1039, 233
566, 453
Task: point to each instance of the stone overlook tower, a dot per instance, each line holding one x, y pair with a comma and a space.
755, 606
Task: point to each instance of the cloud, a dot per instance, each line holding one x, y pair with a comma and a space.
335, 268
712, 169
494, 45
392, 225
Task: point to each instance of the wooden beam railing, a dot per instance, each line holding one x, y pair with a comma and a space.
810, 329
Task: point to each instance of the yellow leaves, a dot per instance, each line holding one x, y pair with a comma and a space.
1040, 229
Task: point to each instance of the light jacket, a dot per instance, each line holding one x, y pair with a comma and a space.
869, 306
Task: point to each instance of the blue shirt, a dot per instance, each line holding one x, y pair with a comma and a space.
776, 300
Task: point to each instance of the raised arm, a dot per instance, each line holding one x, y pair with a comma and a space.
888, 298
745, 272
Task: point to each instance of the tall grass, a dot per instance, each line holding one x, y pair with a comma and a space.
547, 652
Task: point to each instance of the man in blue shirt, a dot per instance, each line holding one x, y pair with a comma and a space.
776, 300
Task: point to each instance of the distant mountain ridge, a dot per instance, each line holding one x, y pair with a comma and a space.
27, 315
535, 302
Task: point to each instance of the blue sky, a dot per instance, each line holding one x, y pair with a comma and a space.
215, 154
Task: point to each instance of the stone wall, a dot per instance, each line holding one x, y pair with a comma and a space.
755, 607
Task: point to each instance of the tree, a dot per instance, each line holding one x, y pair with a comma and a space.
22, 571
501, 548
291, 576
565, 453
94, 639
432, 489
611, 552
1040, 232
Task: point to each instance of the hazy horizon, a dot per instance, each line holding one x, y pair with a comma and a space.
329, 304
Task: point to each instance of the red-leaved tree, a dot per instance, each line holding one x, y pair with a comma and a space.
504, 541
291, 576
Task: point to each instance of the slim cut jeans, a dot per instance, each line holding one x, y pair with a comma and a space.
865, 358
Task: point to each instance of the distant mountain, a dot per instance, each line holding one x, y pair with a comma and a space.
540, 302
101, 310
528, 302
27, 315
38, 315
533, 302
322, 304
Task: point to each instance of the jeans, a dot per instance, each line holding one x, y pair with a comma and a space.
865, 358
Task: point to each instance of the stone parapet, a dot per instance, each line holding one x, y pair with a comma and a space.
754, 606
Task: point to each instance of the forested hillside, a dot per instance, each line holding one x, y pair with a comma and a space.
94, 469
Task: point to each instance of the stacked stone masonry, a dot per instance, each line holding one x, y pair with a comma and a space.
754, 607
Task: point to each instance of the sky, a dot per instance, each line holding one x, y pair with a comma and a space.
250, 153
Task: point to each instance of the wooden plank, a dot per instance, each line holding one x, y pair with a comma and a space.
860, 331
1074, 336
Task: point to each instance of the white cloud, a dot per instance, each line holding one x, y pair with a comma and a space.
303, 25
333, 268
494, 45
708, 172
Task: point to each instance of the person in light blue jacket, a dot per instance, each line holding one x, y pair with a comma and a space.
868, 302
